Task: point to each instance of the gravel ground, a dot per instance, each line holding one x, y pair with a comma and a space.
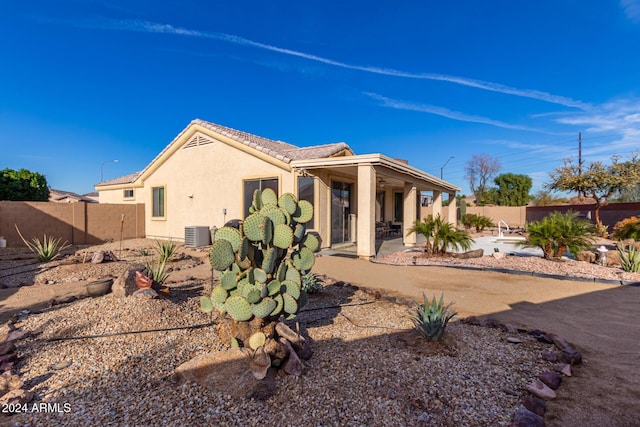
561, 267
369, 368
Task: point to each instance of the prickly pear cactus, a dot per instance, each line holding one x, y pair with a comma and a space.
260, 265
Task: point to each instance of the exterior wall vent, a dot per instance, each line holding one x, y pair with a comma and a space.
196, 236
197, 140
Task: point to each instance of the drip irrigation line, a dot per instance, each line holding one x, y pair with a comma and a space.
13, 267
336, 306
115, 334
372, 326
39, 270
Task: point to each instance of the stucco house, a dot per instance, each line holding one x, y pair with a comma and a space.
208, 173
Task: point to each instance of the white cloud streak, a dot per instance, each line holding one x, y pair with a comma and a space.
631, 9
445, 112
151, 27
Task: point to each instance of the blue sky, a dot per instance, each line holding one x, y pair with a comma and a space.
84, 82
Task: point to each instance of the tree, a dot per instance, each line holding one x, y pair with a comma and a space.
23, 185
513, 189
598, 181
545, 198
480, 169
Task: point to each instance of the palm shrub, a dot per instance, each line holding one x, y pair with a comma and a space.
628, 228
166, 249
431, 319
480, 222
440, 235
557, 232
629, 258
468, 220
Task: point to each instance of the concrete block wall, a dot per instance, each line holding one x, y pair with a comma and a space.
76, 223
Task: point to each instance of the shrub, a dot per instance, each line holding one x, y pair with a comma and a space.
628, 228
557, 232
440, 235
311, 283
629, 259
166, 249
431, 319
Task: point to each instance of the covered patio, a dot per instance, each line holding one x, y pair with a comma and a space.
363, 196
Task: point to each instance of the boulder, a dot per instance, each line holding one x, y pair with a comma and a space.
525, 418
125, 284
478, 253
586, 256
613, 259
570, 354
535, 405
225, 372
540, 389
551, 379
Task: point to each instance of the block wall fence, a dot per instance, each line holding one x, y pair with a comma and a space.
77, 223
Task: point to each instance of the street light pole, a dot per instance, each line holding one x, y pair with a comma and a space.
445, 164
104, 163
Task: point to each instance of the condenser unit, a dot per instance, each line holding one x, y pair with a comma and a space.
195, 236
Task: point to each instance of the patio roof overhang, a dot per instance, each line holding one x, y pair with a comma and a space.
383, 165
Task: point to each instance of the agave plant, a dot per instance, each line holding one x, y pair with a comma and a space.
311, 283
46, 250
166, 249
431, 319
629, 259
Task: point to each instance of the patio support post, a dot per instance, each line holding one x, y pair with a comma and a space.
452, 213
410, 213
366, 220
437, 204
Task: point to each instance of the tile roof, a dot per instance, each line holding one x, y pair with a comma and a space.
277, 149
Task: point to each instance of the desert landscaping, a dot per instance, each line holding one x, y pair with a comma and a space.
87, 358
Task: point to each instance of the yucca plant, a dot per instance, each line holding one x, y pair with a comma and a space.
629, 258
431, 319
166, 249
157, 272
46, 250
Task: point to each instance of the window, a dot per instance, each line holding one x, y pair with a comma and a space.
250, 185
306, 191
128, 193
157, 202
398, 199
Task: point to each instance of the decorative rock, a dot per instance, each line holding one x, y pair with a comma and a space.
16, 335
16, 397
586, 256
514, 340
549, 355
540, 389
535, 405
570, 354
145, 293
563, 368
491, 322
293, 365
613, 259
287, 333
7, 358
7, 348
551, 379
225, 371
478, 253
61, 365
125, 284
525, 418
499, 255
260, 363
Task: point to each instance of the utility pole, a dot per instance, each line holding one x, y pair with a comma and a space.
580, 160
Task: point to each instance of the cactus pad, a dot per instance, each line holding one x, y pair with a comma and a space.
264, 308
267, 238
221, 255
288, 202
219, 294
274, 287
293, 288
257, 200
279, 305
293, 275
310, 241
243, 250
253, 294
298, 233
282, 236
259, 275
303, 299
290, 304
229, 280
269, 260
257, 339
275, 214
206, 305
253, 227
304, 212
231, 235
238, 308
269, 197
303, 259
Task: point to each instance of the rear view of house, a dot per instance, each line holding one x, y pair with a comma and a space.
208, 173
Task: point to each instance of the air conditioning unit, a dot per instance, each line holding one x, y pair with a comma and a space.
195, 236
